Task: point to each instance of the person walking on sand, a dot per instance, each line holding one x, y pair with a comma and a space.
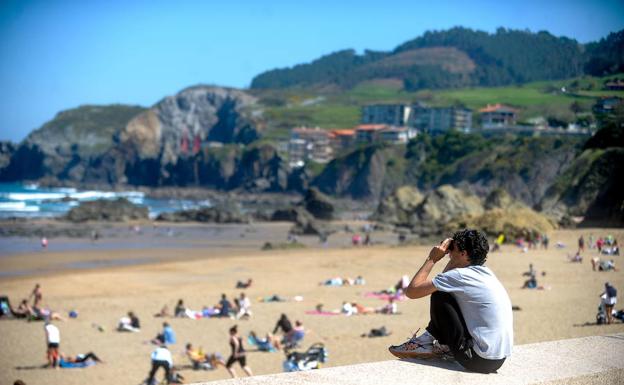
53, 339
610, 299
470, 310
581, 244
238, 353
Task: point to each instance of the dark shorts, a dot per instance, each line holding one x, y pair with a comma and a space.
52, 345
242, 360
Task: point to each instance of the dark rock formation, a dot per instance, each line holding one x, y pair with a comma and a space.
7, 149
163, 139
229, 214
118, 210
592, 187
68, 146
318, 204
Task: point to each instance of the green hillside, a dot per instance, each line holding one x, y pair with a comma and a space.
457, 58
285, 109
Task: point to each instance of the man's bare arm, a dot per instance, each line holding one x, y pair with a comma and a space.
421, 285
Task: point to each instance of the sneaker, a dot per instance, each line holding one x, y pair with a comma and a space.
418, 347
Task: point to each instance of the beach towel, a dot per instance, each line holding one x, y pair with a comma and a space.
384, 296
316, 312
73, 365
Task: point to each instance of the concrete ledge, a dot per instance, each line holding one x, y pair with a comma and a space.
589, 360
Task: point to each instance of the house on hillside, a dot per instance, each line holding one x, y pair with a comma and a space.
607, 105
396, 135
441, 119
498, 116
390, 114
615, 85
419, 116
340, 140
309, 144
367, 133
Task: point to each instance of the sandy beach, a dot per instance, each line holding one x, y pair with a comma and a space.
104, 292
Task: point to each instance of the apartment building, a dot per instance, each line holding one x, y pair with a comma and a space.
498, 116
309, 144
390, 114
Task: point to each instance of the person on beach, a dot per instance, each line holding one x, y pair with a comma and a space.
238, 353
36, 295
79, 360
295, 336
180, 309
284, 324
201, 360
53, 339
610, 299
167, 337
161, 358
244, 307
581, 244
471, 314
225, 306
129, 323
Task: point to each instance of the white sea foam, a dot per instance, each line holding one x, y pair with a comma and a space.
17, 206
40, 196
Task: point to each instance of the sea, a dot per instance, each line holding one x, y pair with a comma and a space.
33, 201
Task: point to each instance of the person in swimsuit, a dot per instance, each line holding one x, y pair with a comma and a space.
238, 353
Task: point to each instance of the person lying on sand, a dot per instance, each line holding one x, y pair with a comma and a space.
389, 308
471, 316
85, 359
244, 285
267, 344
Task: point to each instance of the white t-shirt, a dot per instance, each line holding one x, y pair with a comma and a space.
53, 334
485, 306
162, 354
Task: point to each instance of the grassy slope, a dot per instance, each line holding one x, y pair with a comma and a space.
342, 109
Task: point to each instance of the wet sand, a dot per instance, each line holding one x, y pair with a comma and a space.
102, 293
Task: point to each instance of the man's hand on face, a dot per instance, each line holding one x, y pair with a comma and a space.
438, 252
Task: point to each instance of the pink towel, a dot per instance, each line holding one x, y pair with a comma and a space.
316, 312
385, 296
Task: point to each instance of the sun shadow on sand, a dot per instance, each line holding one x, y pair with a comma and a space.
585, 324
438, 363
32, 367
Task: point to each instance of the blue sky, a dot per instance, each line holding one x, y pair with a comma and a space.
56, 55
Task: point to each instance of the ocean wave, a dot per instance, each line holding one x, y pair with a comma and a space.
17, 206
39, 196
72, 194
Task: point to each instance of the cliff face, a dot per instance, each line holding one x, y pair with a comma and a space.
163, 145
65, 147
170, 135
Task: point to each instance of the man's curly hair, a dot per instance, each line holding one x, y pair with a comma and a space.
474, 243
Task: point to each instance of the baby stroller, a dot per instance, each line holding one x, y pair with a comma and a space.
308, 360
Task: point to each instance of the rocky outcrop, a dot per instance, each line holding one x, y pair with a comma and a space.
318, 204
441, 206
7, 149
398, 207
503, 214
68, 146
173, 132
365, 174
514, 222
427, 215
222, 214
446, 209
118, 210
592, 188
